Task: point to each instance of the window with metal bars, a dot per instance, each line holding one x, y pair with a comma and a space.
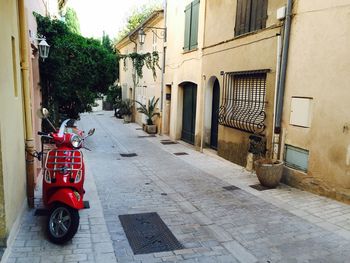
243, 101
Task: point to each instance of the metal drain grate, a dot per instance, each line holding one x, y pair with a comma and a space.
168, 142
181, 153
139, 129
231, 188
147, 233
128, 154
259, 187
146, 136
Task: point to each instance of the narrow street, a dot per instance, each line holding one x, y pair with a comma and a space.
212, 223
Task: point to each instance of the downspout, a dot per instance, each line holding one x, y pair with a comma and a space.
284, 62
276, 137
134, 80
29, 143
163, 71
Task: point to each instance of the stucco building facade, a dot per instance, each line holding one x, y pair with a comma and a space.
316, 113
145, 88
265, 74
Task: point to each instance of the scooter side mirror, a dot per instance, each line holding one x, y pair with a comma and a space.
91, 132
43, 113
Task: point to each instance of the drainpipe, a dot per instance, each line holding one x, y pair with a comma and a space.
134, 81
284, 61
163, 71
276, 137
29, 143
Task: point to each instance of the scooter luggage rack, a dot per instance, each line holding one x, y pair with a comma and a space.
68, 166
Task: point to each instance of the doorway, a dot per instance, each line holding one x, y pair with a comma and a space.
189, 112
214, 131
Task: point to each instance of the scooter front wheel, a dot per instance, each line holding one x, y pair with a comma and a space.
62, 223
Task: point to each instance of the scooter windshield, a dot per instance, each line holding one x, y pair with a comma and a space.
62, 128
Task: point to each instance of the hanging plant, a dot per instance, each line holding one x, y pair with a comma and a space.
139, 60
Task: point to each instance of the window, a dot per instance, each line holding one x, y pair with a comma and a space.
243, 101
296, 158
191, 26
251, 15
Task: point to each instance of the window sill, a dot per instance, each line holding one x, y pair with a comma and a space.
190, 51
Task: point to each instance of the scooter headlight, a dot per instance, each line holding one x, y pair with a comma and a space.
76, 141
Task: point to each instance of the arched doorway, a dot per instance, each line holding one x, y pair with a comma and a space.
214, 131
189, 112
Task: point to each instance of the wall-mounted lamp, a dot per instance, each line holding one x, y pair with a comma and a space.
142, 34
43, 46
44, 49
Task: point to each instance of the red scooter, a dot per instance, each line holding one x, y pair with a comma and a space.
63, 180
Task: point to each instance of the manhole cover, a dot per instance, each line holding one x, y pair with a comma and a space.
231, 188
259, 187
147, 233
181, 153
128, 154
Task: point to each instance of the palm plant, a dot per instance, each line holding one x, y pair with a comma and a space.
126, 107
149, 111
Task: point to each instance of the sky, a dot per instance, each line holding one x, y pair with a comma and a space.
104, 15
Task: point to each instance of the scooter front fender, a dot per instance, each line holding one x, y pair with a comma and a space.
68, 197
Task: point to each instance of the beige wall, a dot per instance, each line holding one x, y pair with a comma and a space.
319, 68
245, 53
182, 66
11, 118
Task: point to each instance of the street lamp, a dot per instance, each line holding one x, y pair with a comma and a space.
142, 36
142, 33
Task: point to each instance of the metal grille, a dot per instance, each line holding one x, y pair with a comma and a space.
243, 101
147, 233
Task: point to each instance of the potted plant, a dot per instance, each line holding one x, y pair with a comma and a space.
125, 109
150, 113
269, 171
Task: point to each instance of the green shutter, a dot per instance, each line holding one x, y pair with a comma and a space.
187, 27
194, 25
242, 17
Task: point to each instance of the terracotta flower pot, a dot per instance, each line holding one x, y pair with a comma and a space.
151, 129
269, 172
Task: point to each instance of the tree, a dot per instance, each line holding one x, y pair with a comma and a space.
77, 71
137, 16
72, 21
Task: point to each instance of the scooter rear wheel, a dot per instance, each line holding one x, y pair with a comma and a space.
62, 223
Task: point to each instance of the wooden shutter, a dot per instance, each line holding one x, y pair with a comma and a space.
243, 17
194, 24
258, 14
187, 27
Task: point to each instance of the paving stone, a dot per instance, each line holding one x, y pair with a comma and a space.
214, 225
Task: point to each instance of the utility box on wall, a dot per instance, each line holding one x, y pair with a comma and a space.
301, 111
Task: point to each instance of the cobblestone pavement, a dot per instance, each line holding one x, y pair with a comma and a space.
213, 224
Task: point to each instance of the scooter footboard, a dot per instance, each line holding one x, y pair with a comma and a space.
68, 197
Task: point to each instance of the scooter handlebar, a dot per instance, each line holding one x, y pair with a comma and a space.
42, 133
